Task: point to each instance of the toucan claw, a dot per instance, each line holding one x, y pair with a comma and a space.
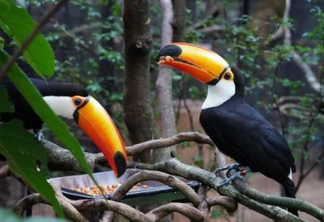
234, 166
39, 135
237, 175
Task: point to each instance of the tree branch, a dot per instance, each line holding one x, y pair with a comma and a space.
297, 204
61, 159
4, 171
167, 179
95, 205
175, 167
285, 31
192, 213
242, 194
227, 202
36, 198
170, 141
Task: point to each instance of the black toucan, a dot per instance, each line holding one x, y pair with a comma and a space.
73, 102
236, 128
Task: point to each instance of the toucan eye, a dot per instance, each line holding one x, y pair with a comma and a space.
227, 76
77, 102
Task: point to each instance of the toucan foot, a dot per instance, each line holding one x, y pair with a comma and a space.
39, 135
237, 175
233, 166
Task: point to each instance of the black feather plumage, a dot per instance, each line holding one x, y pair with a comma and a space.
24, 111
242, 133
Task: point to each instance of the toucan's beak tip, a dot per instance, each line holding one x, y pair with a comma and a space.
168, 52
94, 120
121, 163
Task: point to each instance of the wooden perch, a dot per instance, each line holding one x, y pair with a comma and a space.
175, 167
164, 172
61, 159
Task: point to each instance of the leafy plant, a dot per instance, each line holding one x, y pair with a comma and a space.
16, 144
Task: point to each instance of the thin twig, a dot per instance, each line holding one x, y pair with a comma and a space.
282, 122
170, 141
305, 147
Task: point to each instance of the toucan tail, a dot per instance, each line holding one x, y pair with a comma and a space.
290, 191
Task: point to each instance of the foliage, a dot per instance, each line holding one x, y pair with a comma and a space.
39, 53
14, 140
92, 53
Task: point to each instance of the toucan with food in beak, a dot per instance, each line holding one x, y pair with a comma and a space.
72, 102
237, 129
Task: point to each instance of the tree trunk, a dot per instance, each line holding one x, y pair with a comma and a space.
179, 23
138, 113
164, 85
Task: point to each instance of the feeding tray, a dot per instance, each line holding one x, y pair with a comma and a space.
148, 192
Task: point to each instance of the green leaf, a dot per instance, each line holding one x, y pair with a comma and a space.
27, 157
2, 42
54, 123
18, 24
5, 103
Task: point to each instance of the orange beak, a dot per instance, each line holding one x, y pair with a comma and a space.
98, 125
202, 64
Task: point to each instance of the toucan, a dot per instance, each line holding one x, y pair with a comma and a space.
236, 128
71, 101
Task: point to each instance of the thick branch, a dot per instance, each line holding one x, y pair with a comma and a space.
170, 141
209, 179
96, 205
175, 167
192, 213
297, 204
167, 179
36, 198
227, 202
62, 159
26, 202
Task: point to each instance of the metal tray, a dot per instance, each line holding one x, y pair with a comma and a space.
155, 193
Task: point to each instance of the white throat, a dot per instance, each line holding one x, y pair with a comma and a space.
219, 93
61, 105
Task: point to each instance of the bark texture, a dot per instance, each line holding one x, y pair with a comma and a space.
164, 85
137, 106
179, 23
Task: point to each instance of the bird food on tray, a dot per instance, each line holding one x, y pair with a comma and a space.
107, 189
146, 192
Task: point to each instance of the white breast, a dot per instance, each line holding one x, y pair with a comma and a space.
219, 93
61, 105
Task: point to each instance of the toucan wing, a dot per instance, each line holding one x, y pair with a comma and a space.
243, 134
